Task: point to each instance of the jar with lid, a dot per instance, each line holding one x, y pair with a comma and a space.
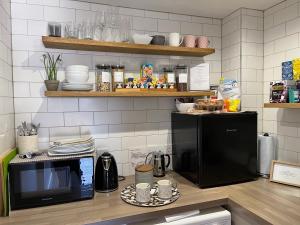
169, 77
181, 72
117, 76
103, 78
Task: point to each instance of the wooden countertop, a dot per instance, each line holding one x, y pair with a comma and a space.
271, 203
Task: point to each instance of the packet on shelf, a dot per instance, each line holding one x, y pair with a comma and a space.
146, 76
296, 69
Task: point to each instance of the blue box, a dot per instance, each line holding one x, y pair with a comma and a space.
287, 70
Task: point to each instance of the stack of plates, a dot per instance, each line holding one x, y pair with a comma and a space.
76, 79
66, 86
71, 147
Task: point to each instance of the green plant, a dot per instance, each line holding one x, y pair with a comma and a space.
51, 64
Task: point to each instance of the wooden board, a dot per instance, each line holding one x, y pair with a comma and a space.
126, 94
6, 157
282, 105
91, 45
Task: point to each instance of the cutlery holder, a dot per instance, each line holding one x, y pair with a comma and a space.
27, 144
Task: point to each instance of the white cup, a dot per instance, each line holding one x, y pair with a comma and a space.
142, 192
164, 189
175, 39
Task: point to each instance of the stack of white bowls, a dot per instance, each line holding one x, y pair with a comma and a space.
76, 78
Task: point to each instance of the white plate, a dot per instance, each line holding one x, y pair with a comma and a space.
77, 85
50, 153
77, 88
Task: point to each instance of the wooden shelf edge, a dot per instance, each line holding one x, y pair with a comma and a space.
126, 94
282, 105
92, 45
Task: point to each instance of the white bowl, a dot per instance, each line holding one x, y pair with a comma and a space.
184, 107
77, 77
77, 68
143, 39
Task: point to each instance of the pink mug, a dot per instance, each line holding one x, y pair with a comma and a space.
202, 42
189, 41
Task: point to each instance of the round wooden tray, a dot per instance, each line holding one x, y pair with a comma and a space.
128, 196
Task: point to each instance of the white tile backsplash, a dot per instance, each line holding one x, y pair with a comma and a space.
118, 124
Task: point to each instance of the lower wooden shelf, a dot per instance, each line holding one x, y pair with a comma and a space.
127, 94
282, 105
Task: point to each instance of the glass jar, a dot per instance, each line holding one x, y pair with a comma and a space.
169, 77
103, 78
181, 72
117, 76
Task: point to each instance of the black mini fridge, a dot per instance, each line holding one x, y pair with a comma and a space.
215, 149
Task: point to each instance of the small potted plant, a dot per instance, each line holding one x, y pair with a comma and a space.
51, 64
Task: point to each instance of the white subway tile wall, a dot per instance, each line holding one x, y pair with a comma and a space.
7, 132
128, 127
281, 43
242, 56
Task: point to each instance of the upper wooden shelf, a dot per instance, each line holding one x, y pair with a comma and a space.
91, 45
282, 105
126, 94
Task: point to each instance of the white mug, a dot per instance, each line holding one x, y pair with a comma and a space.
142, 192
175, 39
164, 189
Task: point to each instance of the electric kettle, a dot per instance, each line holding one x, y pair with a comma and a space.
106, 174
158, 161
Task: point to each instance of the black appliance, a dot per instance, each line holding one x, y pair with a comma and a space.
44, 181
106, 174
215, 149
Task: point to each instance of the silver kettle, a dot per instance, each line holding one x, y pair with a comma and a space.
157, 160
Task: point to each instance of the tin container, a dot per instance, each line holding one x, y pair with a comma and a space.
144, 174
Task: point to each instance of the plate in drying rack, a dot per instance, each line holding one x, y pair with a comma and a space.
128, 196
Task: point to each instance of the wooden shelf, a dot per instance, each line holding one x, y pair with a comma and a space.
91, 45
126, 94
282, 105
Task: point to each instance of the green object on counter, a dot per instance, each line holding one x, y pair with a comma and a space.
5, 161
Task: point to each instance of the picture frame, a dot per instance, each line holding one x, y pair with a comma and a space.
285, 173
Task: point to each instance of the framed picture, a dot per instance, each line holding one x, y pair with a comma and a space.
285, 173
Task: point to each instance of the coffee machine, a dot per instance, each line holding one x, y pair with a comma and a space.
157, 160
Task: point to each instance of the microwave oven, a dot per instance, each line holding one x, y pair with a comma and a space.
46, 180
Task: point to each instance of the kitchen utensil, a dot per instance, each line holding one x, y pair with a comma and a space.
144, 39
189, 41
128, 195
158, 40
164, 189
144, 174
77, 87
175, 39
202, 42
54, 29
106, 174
158, 161
27, 143
142, 192
184, 107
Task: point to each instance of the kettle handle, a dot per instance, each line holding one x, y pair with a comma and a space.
146, 160
169, 160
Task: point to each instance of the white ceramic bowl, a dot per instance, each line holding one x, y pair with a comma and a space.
143, 39
184, 107
77, 77
77, 68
